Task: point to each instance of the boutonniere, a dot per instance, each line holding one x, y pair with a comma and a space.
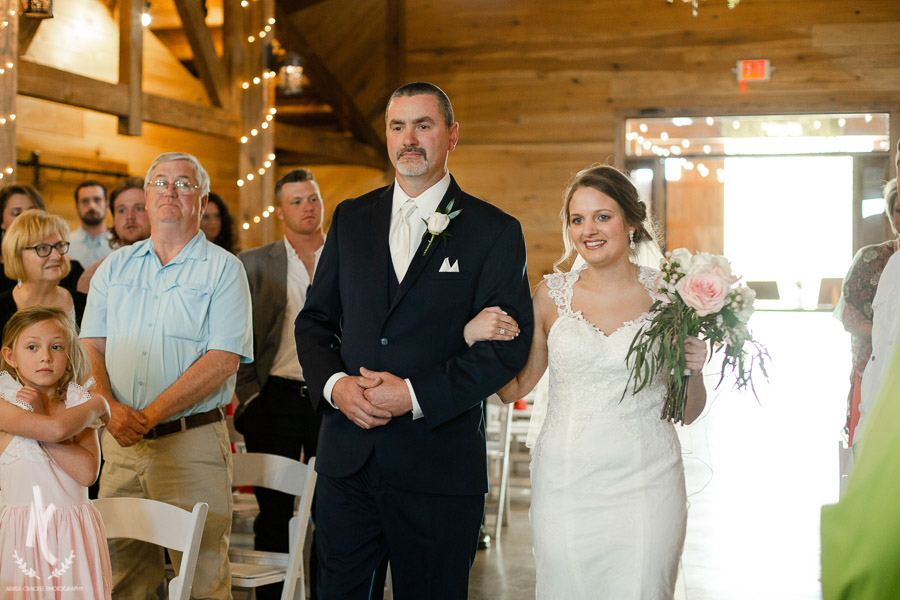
438, 222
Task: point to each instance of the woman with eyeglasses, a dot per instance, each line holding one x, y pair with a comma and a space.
34, 254
14, 200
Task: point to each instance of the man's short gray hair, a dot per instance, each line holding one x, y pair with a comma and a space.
423, 87
199, 172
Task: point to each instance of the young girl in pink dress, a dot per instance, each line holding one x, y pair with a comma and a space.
52, 540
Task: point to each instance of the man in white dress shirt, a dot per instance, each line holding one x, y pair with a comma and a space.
90, 242
275, 414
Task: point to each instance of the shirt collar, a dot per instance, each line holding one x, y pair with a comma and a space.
195, 249
292, 254
427, 202
84, 235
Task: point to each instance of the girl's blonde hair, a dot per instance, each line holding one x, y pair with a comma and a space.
79, 368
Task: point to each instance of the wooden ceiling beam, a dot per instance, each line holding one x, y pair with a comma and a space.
207, 62
131, 54
178, 44
48, 83
55, 85
335, 147
396, 45
27, 28
328, 86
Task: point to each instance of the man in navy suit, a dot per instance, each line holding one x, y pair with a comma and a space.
401, 458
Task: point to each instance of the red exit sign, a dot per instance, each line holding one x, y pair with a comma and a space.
753, 70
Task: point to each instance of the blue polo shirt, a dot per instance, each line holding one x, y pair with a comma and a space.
158, 320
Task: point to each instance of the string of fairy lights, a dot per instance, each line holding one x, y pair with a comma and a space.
6, 68
264, 123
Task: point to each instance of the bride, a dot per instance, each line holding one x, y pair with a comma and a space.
608, 508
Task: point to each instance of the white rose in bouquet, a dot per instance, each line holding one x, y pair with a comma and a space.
683, 257
713, 263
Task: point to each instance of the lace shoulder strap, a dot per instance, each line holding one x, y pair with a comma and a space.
9, 387
78, 394
559, 288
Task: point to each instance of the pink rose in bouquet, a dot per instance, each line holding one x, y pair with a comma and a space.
695, 295
706, 292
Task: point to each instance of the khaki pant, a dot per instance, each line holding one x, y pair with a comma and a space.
181, 469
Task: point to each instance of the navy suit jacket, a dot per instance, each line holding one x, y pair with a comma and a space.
351, 319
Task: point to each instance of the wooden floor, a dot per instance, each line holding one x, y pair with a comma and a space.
757, 475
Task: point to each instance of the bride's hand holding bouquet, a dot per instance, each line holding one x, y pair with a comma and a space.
697, 295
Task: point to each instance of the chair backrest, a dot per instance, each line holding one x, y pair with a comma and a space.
271, 471
161, 524
291, 477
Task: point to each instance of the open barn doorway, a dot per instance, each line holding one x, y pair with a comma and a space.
789, 199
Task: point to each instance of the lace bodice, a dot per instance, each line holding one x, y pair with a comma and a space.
588, 373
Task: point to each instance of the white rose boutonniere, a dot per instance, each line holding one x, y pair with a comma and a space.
438, 222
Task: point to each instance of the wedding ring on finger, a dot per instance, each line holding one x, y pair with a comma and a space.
502, 331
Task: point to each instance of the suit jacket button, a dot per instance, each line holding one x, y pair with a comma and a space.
384, 341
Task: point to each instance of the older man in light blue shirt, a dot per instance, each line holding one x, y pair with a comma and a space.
167, 323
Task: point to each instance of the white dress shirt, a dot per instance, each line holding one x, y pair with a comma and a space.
88, 249
426, 203
286, 365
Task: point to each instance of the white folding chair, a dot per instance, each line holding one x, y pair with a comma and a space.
161, 524
253, 568
499, 431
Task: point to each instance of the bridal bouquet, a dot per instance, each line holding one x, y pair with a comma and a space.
696, 295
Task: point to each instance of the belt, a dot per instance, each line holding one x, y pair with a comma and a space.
184, 423
288, 383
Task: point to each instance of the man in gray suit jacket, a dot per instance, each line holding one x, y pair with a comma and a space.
274, 412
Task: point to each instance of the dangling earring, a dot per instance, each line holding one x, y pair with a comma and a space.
631, 238
19, 284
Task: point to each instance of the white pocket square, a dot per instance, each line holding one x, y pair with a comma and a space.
446, 267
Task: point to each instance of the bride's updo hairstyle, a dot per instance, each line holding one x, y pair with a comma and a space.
615, 184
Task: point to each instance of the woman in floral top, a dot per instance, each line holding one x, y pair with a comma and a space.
855, 308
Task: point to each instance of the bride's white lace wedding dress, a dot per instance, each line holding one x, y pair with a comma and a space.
608, 510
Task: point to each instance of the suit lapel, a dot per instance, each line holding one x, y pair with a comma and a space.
277, 292
381, 251
420, 259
